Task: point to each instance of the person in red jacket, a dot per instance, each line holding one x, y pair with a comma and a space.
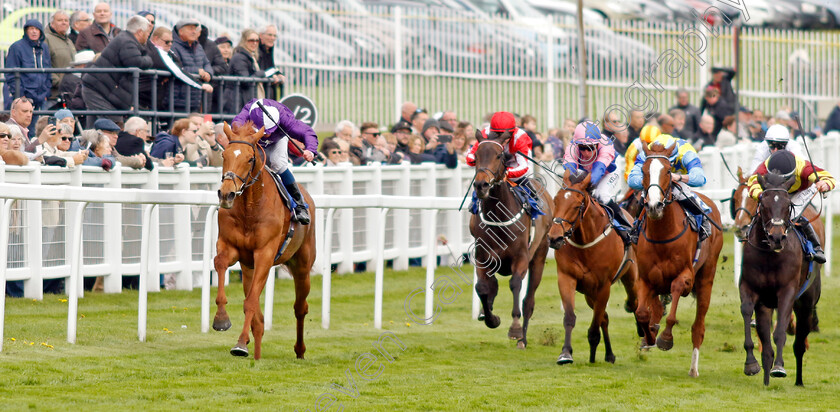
518, 166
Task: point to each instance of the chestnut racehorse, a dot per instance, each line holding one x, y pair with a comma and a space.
590, 256
776, 275
668, 259
253, 224
501, 229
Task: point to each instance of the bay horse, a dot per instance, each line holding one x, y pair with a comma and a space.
501, 229
253, 225
590, 257
775, 274
668, 257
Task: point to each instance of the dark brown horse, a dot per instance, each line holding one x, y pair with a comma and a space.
775, 274
668, 258
502, 229
253, 224
590, 257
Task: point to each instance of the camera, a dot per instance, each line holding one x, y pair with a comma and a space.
444, 138
51, 120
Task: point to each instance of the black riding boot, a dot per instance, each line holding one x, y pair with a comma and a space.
301, 214
807, 230
618, 215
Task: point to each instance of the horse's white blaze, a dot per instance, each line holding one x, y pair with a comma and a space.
776, 198
695, 360
567, 195
654, 194
744, 195
236, 153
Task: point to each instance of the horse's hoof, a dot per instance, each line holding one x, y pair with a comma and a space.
643, 345
778, 372
492, 322
610, 358
515, 332
628, 308
221, 325
481, 314
521, 344
564, 359
239, 351
663, 344
693, 373
751, 369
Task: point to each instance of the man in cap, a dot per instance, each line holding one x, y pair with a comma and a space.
516, 145
99, 34
402, 131
722, 81
776, 138
805, 175
193, 60
280, 125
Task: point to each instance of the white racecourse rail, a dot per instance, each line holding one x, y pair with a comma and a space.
174, 238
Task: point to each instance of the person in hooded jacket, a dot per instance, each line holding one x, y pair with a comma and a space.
31, 52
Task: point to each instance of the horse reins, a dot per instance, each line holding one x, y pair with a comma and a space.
665, 194
494, 181
582, 208
229, 175
773, 222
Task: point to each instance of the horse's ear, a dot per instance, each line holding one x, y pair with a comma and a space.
586, 180
762, 181
566, 176
645, 149
789, 183
228, 131
478, 135
258, 135
670, 149
740, 175
505, 136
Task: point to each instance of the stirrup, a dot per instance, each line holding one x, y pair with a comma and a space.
818, 256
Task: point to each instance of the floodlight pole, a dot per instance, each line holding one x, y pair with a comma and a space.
581, 59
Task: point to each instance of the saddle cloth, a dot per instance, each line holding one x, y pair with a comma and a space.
523, 195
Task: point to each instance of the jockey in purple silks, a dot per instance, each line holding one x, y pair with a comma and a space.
276, 143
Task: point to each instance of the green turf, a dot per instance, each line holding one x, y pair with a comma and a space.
453, 364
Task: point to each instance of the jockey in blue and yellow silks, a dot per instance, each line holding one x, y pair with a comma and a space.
686, 172
808, 180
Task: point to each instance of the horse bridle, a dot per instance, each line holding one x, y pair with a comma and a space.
582, 208
665, 198
493, 174
734, 210
774, 222
229, 175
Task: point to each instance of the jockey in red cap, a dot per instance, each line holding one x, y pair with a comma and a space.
518, 166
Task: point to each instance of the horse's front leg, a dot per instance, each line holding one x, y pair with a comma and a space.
748, 300
644, 321
567, 285
785, 299
254, 322
487, 288
225, 257
679, 287
520, 269
763, 324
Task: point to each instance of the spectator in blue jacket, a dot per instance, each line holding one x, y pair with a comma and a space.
29, 52
193, 60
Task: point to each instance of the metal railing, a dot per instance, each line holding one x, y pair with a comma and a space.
152, 111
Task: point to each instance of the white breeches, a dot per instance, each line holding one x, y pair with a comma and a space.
278, 155
606, 188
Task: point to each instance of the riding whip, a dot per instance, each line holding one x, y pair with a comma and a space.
467, 194
317, 154
727, 167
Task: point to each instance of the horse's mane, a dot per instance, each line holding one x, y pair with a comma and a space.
577, 176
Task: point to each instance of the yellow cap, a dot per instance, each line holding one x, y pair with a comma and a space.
649, 133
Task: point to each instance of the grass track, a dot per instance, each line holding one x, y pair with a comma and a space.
454, 364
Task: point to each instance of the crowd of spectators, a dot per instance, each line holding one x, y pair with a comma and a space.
79, 39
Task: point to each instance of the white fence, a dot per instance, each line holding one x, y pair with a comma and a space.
361, 64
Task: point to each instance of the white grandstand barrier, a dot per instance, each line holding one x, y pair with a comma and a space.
83, 196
